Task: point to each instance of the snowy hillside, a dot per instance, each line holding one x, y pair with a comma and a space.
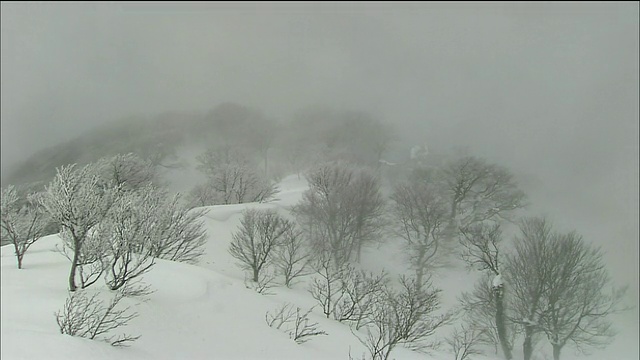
206, 311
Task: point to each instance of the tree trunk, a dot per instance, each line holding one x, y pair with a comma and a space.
556, 351
256, 274
359, 251
500, 324
72, 274
527, 344
419, 277
19, 261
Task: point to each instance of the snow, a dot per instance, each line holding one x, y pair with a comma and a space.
497, 281
205, 311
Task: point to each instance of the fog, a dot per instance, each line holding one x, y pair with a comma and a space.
549, 90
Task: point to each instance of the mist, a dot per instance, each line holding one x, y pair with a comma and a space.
548, 90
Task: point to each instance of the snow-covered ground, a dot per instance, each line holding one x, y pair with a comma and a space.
206, 311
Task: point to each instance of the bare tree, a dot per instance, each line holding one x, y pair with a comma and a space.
295, 322
479, 191
327, 288
403, 317
422, 216
77, 201
303, 329
211, 160
264, 284
292, 256
260, 234
129, 171
464, 342
90, 317
360, 290
22, 223
528, 275
232, 178
202, 195
576, 297
179, 233
341, 211
481, 250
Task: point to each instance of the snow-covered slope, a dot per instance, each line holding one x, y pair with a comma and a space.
206, 311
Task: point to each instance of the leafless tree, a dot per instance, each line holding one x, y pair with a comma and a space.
232, 178
327, 288
295, 322
129, 171
264, 284
90, 317
179, 233
23, 221
292, 256
211, 160
479, 310
342, 210
479, 191
202, 195
403, 317
422, 217
360, 290
464, 342
77, 201
528, 273
304, 329
481, 250
261, 232
576, 295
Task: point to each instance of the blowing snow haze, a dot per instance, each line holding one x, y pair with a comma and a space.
549, 90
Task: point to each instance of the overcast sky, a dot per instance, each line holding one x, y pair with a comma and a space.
547, 89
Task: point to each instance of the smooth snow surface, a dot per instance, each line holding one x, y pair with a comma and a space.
206, 311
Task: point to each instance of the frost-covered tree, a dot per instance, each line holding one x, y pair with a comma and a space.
77, 199
255, 243
178, 233
421, 215
128, 232
342, 210
23, 221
